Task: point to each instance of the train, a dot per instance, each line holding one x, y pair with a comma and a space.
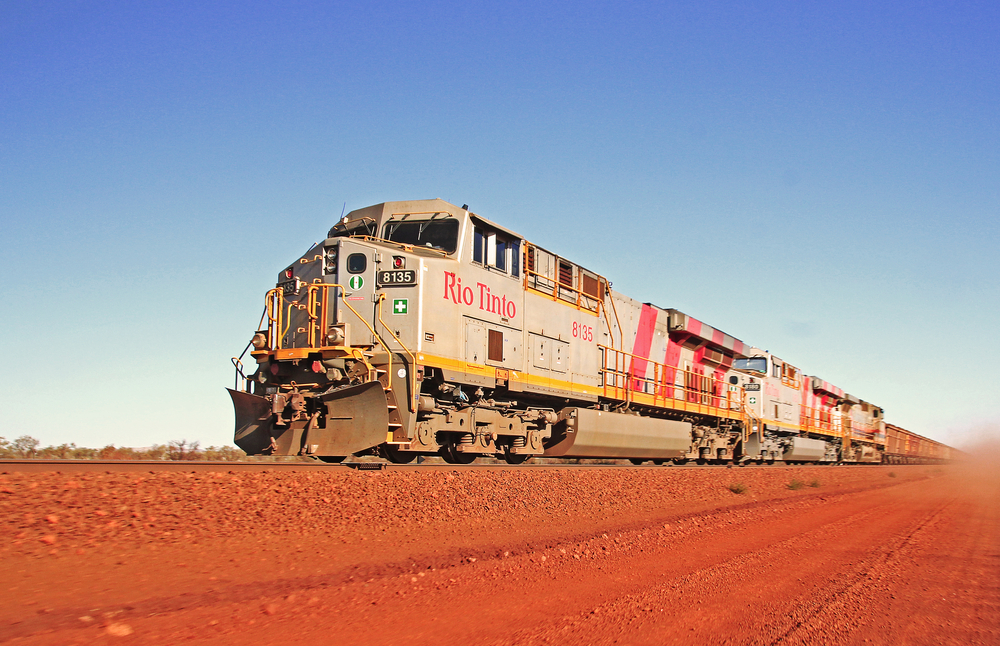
905, 447
419, 328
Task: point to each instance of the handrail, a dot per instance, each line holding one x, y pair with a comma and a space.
557, 285
241, 379
750, 417
279, 321
811, 420
618, 322
701, 391
413, 359
401, 245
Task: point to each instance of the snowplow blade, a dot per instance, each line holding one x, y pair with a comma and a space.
253, 422
356, 419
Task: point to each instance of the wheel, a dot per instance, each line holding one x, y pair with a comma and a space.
394, 455
514, 458
451, 456
658, 462
332, 459
636, 461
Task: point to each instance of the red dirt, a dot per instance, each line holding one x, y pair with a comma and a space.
633, 556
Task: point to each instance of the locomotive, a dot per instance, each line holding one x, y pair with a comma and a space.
422, 328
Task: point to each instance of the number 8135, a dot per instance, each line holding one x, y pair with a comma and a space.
585, 332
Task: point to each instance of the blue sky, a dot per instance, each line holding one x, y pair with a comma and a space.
822, 181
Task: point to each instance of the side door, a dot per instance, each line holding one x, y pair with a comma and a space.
357, 307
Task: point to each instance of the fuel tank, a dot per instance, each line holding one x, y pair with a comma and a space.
589, 433
804, 449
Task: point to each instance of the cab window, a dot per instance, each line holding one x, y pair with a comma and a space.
756, 364
435, 234
357, 263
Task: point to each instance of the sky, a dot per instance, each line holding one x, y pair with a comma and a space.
821, 180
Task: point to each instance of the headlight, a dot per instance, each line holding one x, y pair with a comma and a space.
259, 341
330, 260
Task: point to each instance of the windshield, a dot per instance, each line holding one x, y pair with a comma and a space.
437, 234
362, 227
756, 364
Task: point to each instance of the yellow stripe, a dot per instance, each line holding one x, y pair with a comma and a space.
573, 388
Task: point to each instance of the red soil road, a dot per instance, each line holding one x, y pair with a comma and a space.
631, 556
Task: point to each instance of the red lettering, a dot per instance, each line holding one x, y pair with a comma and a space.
467, 296
483, 291
511, 310
449, 284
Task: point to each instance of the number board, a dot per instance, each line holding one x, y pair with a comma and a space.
289, 287
397, 278
749, 387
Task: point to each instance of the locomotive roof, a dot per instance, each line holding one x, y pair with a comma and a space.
385, 210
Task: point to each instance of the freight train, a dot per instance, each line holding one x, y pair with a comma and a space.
422, 328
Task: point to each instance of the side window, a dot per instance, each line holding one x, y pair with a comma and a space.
495, 250
501, 261
357, 263
775, 370
477, 245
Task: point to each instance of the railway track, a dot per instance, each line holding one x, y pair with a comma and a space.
22, 466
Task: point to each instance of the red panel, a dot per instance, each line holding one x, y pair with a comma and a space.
643, 342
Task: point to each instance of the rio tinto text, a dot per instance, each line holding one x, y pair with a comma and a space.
488, 302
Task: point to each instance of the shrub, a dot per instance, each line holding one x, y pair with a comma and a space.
795, 485
814, 484
892, 474
737, 487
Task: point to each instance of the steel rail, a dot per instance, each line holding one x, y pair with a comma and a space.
109, 466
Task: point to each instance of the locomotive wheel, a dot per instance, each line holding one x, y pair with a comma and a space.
514, 458
451, 456
636, 461
332, 459
394, 455
658, 462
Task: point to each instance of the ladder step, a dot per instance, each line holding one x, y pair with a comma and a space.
395, 424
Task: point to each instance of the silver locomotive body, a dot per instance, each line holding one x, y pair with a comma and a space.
420, 328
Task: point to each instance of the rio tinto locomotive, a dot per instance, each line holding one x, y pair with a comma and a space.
421, 328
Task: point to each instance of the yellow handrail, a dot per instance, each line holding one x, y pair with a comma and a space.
698, 392
413, 359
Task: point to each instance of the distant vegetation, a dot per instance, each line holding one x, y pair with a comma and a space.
795, 484
738, 487
27, 447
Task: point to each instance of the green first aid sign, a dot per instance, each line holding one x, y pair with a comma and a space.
400, 305
356, 282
